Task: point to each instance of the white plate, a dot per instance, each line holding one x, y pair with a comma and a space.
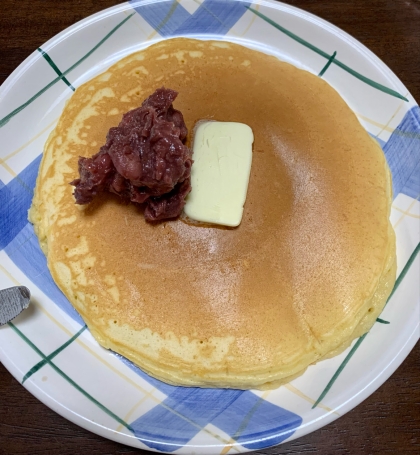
47, 347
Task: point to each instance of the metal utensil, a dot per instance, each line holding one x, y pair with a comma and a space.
12, 302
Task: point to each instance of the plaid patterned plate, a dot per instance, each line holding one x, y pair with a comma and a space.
48, 347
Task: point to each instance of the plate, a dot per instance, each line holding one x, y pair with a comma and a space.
49, 350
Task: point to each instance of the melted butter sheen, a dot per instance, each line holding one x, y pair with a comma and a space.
308, 269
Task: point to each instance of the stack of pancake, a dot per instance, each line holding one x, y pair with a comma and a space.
308, 270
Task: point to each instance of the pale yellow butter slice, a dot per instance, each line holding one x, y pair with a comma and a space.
222, 154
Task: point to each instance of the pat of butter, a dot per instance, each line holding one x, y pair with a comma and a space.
222, 154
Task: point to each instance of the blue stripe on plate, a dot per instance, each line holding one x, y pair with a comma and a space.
402, 152
25, 252
18, 239
211, 17
256, 423
241, 414
15, 200
164, 17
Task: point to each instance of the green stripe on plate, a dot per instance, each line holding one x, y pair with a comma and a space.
43, 362
55, 68
5, 119
327, 64
305, 43
359, 341
69, 380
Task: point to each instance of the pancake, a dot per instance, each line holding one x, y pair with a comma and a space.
309, 268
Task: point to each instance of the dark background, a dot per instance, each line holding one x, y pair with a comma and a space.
388, 422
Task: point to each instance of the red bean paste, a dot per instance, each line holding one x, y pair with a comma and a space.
144, 160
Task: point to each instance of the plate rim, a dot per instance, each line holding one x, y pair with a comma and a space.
381, 378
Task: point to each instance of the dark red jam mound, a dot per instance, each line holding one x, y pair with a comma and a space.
144, 160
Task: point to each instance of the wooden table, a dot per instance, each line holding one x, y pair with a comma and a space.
388, 422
